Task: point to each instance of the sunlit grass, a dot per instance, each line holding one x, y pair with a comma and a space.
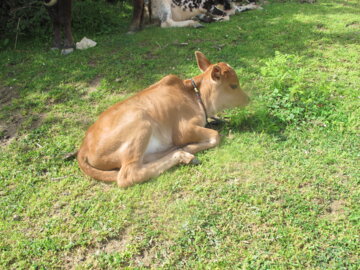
281, 191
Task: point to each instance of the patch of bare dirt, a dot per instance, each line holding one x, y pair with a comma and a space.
335, 211
94, 84
355, 24
75, 257
85, 255
150, 56
8, 127
321, 27
149, 258
116, 245
7, 93
337, 207
240, 173
92, 63
307, 1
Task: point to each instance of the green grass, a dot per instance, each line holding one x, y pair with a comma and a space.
280, 192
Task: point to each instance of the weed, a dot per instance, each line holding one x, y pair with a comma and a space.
291, 97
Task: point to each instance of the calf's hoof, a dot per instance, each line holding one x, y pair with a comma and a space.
184, 157
202, 18
198, 25
195, 161
124, 184
67, 51
134, 28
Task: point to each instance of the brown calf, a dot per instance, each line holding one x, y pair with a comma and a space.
160, 127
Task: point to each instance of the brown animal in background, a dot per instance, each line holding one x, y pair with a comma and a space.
60, 14
160, 127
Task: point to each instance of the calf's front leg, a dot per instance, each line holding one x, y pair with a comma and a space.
200, 138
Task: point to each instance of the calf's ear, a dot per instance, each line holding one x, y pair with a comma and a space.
216, 73
202, 61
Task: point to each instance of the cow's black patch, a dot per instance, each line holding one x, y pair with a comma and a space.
209, 5
187, 4
218, 12
225, 3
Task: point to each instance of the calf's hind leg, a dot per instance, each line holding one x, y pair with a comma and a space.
137, 172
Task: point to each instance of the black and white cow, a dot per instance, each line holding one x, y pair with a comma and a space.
185, 13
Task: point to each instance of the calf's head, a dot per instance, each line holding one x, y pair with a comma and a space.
220, 85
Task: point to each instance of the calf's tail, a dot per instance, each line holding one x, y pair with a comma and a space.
106, 176
50, 3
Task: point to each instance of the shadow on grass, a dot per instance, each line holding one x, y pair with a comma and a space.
263, 123
133, 62
258, 122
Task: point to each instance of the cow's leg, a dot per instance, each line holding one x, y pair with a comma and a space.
187, 23
57, 44
54, 16
136, 172
65, 15
231, 11
221, 15
166, 18
220, 18
69, 41
239, 9
201, 138
138, 13
216, 11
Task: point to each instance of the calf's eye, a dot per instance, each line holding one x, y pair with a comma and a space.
234, 86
